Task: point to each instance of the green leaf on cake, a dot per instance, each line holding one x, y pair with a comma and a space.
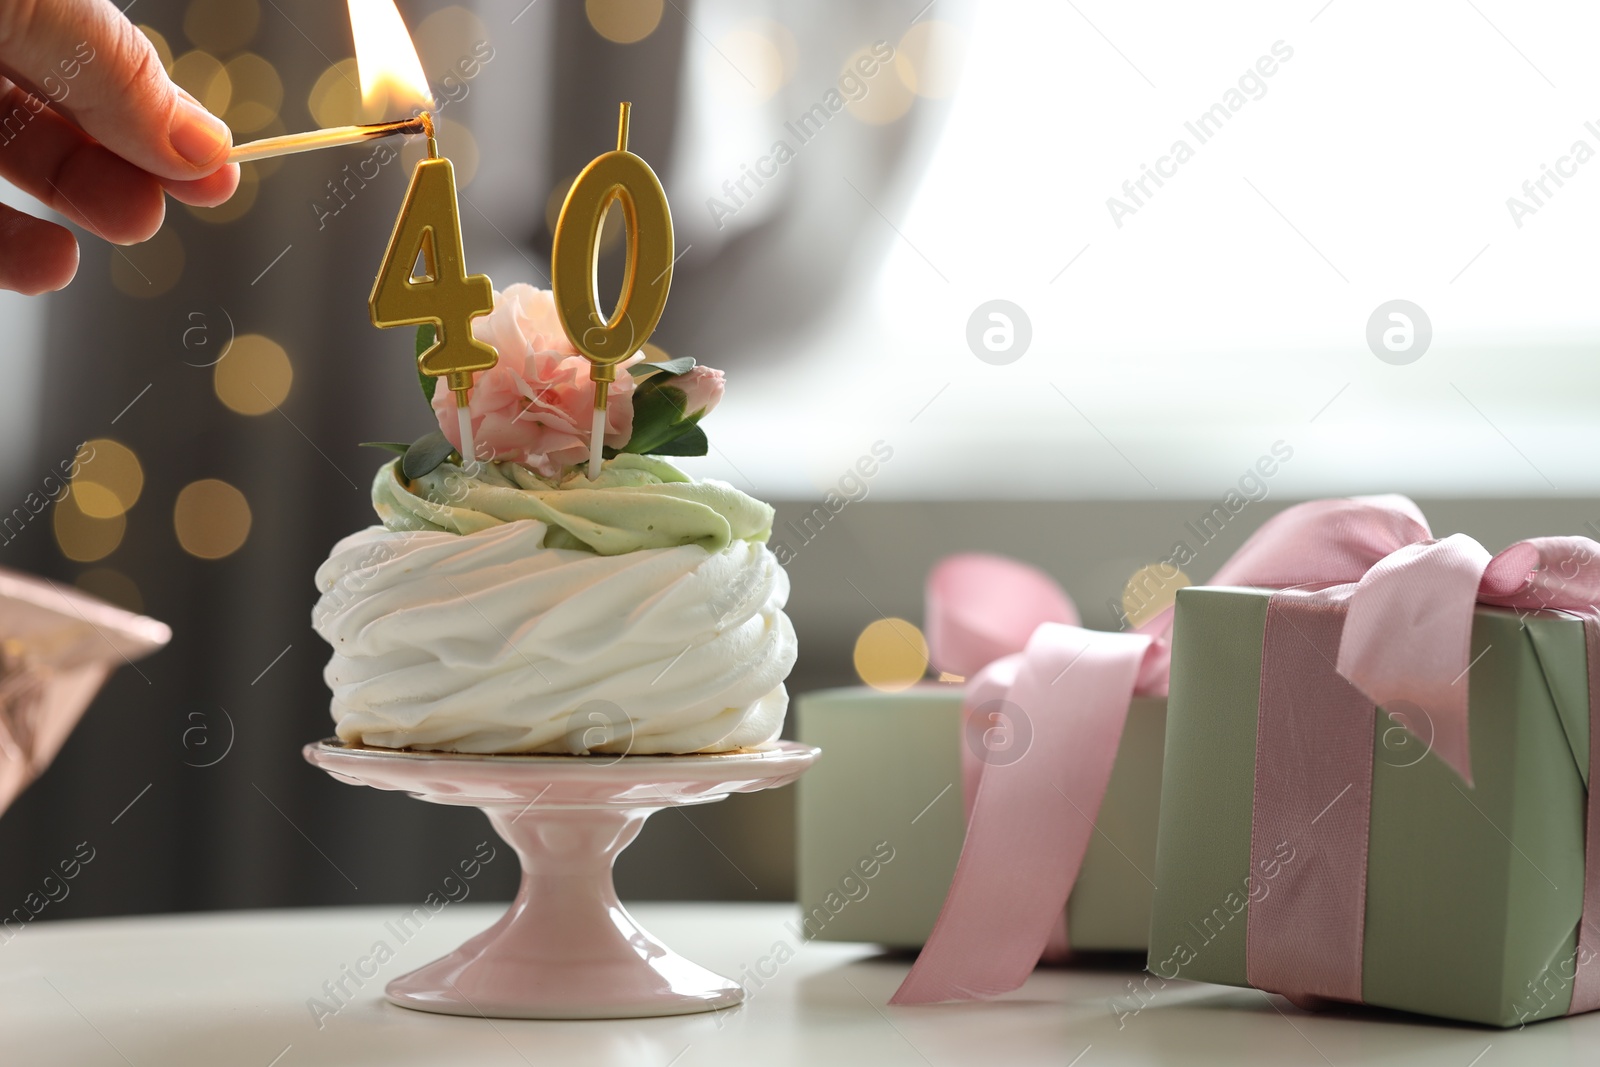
670, 368
425, 454
425, 342
661, 426
691, 442
658, 417
392, 446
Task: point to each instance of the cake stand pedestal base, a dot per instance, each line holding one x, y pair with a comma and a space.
566, 948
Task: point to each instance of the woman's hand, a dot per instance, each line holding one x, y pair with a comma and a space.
91, 126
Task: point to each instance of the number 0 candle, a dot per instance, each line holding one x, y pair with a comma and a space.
624, 178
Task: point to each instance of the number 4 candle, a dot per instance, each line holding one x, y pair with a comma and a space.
429, 229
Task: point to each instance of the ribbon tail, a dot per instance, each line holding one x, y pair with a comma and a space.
1033, 814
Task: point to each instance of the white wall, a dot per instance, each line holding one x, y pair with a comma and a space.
1230, 310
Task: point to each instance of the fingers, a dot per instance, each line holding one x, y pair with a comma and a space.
85, 57
209, 191
35, 256
47, 157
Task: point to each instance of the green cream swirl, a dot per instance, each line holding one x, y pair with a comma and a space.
637, 502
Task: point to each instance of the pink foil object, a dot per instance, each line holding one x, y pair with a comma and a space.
57, 647
566, 948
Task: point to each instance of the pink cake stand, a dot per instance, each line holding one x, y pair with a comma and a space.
566, 948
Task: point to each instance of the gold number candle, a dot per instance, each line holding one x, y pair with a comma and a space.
429, 226
625, 178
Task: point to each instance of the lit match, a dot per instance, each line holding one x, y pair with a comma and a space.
391, 80
333, 136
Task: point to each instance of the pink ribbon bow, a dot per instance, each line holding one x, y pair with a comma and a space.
1034, 672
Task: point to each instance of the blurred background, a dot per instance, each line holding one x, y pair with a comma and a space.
1076, 267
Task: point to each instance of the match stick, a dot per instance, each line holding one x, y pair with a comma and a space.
290, 143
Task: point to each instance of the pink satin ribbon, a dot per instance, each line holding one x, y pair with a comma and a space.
1011, 630
1313, 801
1034, 771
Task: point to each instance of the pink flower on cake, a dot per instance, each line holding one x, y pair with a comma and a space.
535, 405
702, 388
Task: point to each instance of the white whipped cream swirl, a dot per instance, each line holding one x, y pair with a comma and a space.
490, 642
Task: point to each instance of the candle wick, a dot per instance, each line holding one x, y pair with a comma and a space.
427, 128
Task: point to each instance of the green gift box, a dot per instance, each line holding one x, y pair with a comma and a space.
882, 819
1473, 894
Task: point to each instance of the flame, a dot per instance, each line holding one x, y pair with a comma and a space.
386, 59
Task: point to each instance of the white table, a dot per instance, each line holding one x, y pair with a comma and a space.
231, 990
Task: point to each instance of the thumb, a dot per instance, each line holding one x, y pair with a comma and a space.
89, 61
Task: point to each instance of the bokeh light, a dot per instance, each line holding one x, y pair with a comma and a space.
109, 481
110, 584
205, 78
891, 655
886, 98
445, 40
463, 149
85, 538
212, 518
148, 269
1150, 591
930, 57
221, 25
756, 58
784, 41
335, 99
255, 375
624, 21
257, 93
